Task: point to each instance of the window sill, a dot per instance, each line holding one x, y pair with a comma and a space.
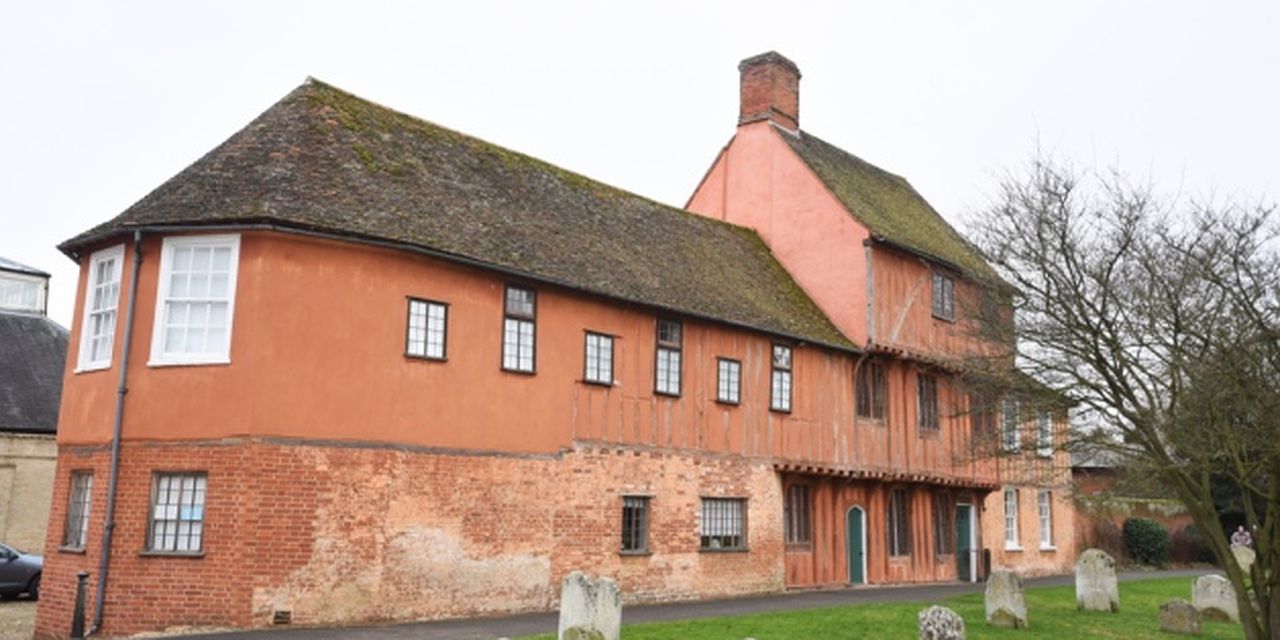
189, 363
737, 550
1044, 455
89, 368
75, 550
412, 357
785, 412
1018, 549
1050, 548
171, 554
728, 403
635, 554
951, 320
667, 394
520, 372
597, 383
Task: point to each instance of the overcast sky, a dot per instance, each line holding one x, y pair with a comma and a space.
102, 102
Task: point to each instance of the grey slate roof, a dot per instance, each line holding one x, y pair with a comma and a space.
324, 160
17, 267
33, 353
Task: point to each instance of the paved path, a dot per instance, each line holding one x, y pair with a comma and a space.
533, 623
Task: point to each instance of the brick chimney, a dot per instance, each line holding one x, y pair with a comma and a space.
770, 90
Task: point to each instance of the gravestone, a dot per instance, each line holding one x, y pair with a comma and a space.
1096, 588
941, 623
589, 609
1215, 598
1244, 557
1006, 605
1178, 616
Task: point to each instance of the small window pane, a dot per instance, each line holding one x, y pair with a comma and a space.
177, 512
599, 358
728, 382
520, 302
781, 357
426, 329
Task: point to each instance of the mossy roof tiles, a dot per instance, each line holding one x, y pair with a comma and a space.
322, 159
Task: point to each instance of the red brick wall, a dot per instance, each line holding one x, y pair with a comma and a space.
346, 534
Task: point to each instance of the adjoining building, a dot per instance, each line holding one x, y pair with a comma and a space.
382, 370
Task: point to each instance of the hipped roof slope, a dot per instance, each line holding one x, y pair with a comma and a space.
322, 159
33, 353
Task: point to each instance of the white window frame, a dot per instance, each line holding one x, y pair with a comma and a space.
1044, 504
40, 283
668, 358
83, 361
597, 358
1011, 540
519, 332
1044, 434
75, 529
1011, 425
159, 358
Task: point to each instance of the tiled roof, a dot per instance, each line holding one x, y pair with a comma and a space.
17, 267
33, 352
324, 160
888, 205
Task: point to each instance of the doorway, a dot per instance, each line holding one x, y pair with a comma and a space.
855, 529
966, 544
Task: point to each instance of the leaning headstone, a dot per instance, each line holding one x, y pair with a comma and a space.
941, 623
1215, 598
589, 609
1096, 588
1178, 616
1006, 605
1244, 557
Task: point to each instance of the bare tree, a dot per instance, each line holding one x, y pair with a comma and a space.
1161, 320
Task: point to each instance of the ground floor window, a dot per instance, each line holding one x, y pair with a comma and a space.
77, 526
724, 524
796, 512
1044, 500
177, 512
1011, 519
944, 523
899, 519
635, 524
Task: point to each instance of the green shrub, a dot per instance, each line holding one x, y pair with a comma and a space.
1147, 541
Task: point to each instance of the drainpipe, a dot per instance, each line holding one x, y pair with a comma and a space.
109, 519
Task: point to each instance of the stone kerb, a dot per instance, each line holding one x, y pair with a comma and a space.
589, 609
1005, 603
1096, 587
1215, 598
940, 623
1178, 616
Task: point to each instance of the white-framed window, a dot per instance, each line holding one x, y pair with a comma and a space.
944, 296
1044, 434
780, 387
598, 358
728, 381
427, 329
518, 334
724, 524
176, 524
76, 529
1044, 503
22, 292
1011, 519
1011, 425
101, 299
667, 371
196, 301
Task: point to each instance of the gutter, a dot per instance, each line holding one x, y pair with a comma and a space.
109, 519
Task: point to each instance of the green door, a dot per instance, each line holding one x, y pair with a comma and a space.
854, 538
964, 542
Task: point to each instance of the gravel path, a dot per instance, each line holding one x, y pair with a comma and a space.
17, 619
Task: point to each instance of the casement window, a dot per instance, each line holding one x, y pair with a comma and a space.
101, 298
871, 390
728, 381
598, 359
944, 296
944, 523
983, 413
21, 292
635, 524
76, 528
177, 513
518, 334
427, 328
780, 387
899, 523
667, 370
196, 302
1044, 503
724, 524
796, 515
1011, 519
1044, 434
1011, 425
927, 403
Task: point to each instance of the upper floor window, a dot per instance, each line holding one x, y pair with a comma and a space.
982, 409
101, 297
518, 346
21, 292
899, 519
425, 336
598, 365
797, 530
1010, 426
944, 296
728, 381
76, 529
1044, 434
196, 302
871, 390
667, 372
927, 402
780, 388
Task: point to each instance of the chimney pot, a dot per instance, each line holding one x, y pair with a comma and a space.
770, 90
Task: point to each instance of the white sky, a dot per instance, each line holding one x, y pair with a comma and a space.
101, 102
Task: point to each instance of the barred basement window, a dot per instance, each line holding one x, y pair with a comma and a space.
177, 512
428, 322
728, 381
927, 402
780, 389
944, 523
1011, 519
871, 390
1044, 501
797, 515
1044, 434
635, 524
76, 530
944, 300
1010, 426
899, 519
518, 338
724, 524
667, 371
598, 354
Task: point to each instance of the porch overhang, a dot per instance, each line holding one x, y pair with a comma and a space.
886, 475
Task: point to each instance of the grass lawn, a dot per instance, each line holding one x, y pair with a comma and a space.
1051, 612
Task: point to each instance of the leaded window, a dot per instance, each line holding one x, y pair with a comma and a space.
427, 327
598, 354
927, 402
899, 523
76, 530
944, 523
944, 296
797, 530
668, 357
780, 386
518, 334
728, 381
871, 390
